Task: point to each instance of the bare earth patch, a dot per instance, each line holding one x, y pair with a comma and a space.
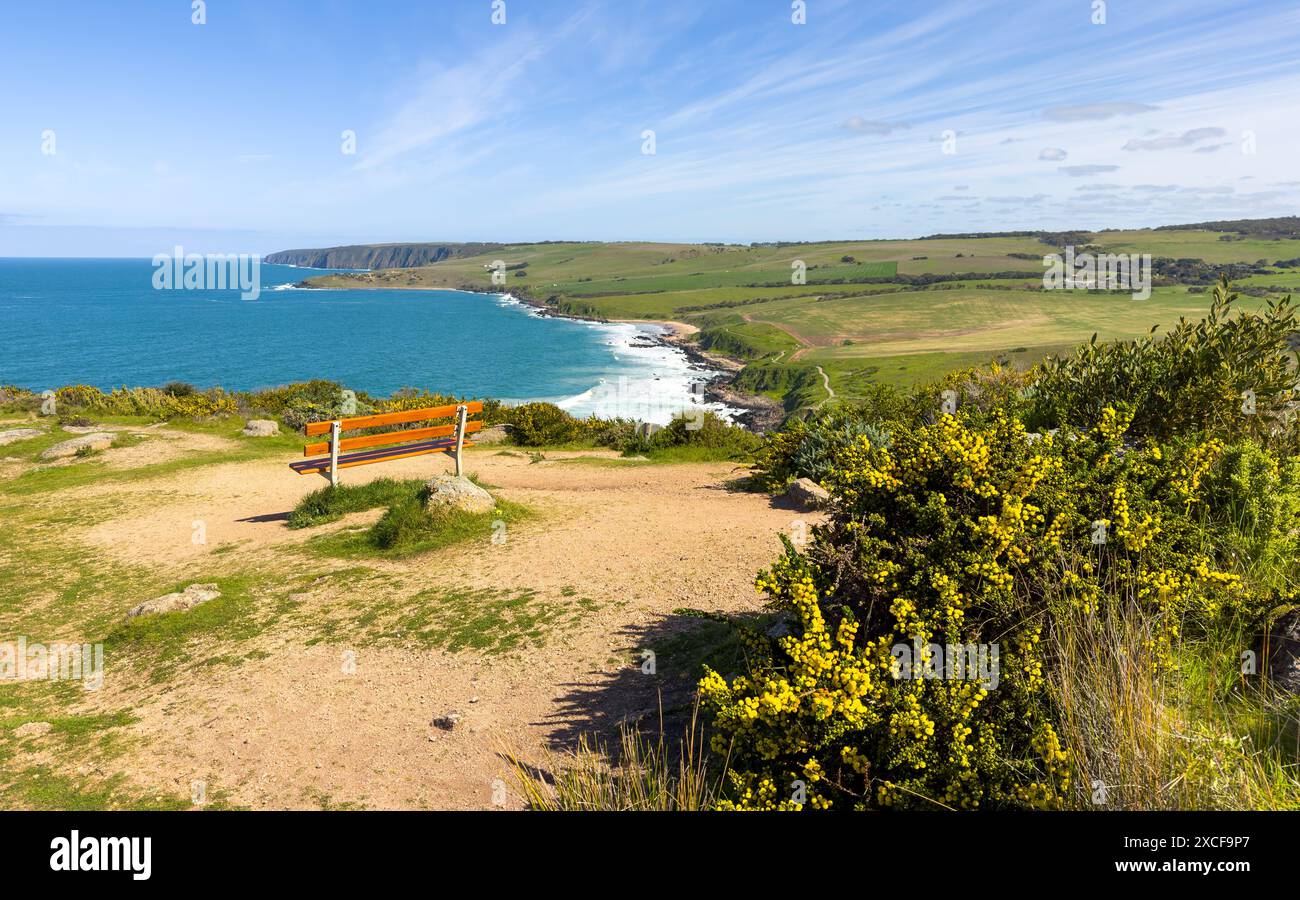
304, 718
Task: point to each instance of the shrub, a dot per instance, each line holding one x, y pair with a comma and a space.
154, 403
18, 399
413, 398
539, 424
964, 533
808, 448
307, 401
1194, 379
1253, 509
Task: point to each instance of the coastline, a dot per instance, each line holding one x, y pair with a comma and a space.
756, 412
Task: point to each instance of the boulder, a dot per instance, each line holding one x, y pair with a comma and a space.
458, 492
261, 428
1284, 652
14, 435
807, 494
99, 440
180, 601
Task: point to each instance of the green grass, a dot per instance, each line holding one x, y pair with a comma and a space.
165, 642
407, 529
484, 620
96, 469
330, 503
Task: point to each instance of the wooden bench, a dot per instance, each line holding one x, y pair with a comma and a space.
383, 446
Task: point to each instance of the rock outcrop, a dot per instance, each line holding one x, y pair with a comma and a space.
807, 494
458, 492
180, 601
494, 434
14, 435
261, 428
98, 440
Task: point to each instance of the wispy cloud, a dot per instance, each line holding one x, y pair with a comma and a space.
1170, 141
1092, 112
866, 126
1084, 171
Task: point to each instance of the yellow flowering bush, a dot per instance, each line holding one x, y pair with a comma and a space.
157, 403
958, 543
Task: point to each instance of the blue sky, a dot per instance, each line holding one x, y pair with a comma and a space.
874, 119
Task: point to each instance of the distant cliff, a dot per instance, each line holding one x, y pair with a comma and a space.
376, 256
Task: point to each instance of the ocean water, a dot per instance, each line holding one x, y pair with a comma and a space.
101, 322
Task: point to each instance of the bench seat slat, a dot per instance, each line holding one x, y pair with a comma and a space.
401, 417
390, 437
365, 457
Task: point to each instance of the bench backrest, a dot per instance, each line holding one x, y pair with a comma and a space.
399, 443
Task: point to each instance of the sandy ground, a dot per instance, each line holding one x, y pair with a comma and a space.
290, 728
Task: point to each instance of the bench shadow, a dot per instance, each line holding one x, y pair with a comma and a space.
657, 702
267, 517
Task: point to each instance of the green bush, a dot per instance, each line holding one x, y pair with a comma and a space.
1253, 509
807, 448
540, 424
966, 533
1228, 375
155, 403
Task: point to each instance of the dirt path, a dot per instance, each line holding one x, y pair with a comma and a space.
826, 383
619, 549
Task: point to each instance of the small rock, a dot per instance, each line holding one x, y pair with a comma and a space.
807, 494
458, 492
473, 699
180, 601
14, 435
261, 428
447, 721
32, 729
1284, 652
99, 440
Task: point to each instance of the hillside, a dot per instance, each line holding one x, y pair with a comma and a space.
869, 311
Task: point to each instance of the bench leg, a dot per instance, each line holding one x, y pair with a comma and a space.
336, 430
462, 413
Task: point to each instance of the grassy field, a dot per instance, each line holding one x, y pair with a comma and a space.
890, 311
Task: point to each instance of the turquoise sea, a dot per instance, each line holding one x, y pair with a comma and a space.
101, 322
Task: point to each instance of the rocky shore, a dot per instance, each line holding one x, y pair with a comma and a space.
757, 412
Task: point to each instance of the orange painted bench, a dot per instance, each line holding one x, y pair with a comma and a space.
383, 446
